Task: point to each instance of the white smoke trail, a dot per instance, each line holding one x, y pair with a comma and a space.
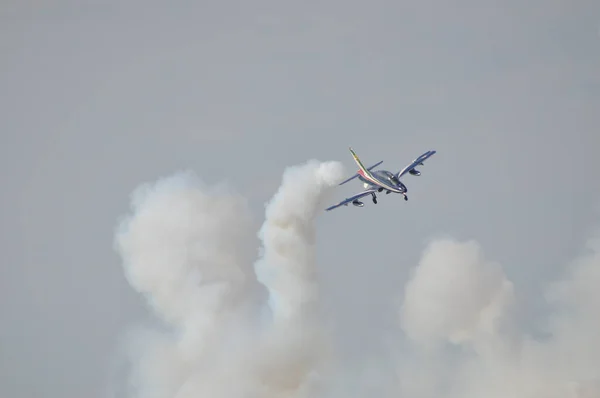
288, 269
188, 248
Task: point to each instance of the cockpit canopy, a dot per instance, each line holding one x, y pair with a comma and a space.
391, 178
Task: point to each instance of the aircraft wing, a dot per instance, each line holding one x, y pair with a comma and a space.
418, 161
356, 175
350, 199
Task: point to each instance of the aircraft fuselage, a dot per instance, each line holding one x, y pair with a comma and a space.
388, 182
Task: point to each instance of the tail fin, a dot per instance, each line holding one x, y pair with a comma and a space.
361, 167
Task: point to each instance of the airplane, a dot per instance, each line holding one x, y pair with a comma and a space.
380, 180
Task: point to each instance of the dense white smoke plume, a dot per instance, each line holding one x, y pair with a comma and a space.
191, 250
455, 296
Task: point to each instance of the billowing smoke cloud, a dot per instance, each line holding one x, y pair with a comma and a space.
242, 325
455, 295
458, 298
189, 249
185, 247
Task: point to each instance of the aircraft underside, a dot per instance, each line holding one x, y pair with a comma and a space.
366, 185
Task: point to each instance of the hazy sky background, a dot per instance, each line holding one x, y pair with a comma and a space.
97, 97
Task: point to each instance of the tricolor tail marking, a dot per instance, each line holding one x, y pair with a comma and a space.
362, 168
366, 174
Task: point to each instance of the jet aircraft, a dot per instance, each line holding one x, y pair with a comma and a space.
380, 180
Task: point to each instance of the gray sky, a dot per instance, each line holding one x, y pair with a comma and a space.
98, 97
